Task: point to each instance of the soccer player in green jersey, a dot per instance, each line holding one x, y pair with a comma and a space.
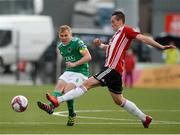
76, 56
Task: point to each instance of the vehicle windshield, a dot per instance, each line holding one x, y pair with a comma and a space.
5, 37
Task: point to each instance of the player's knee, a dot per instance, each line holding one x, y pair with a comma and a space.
87, 84
59, 88
118, 102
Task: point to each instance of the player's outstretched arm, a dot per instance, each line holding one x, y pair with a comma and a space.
99, 43
150, 41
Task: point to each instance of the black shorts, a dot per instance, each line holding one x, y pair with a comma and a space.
110, 78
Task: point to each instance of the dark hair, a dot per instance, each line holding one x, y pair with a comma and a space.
119, 15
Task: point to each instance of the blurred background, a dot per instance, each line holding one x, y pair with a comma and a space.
28, 37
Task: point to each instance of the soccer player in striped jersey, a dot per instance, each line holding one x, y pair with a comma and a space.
111, 75
76, 55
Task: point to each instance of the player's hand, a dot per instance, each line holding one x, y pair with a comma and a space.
168, 47
97, 42
70, 64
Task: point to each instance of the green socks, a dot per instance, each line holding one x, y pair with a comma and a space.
70, 105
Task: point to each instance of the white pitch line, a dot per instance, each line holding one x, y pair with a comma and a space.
64, 114
120, 110
89, 117
128, 121
147, 110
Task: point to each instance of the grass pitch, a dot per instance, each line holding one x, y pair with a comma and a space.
97, 114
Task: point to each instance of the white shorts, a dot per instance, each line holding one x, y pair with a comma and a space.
73, 77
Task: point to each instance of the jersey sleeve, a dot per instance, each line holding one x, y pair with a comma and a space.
131, 33
81, 45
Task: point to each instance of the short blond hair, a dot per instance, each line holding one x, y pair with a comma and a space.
63, 28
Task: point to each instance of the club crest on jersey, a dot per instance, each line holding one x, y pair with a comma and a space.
69, 49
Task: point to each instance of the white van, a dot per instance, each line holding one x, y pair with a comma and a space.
24, 37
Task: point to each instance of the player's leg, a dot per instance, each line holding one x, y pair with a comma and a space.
74, 79
62, 86
59, 89
71, 106
131, 108
131, 79
74, 93
126, 79
91, 82
49, 108
45, 107
114, 82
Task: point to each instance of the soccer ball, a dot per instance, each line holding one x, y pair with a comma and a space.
19, 103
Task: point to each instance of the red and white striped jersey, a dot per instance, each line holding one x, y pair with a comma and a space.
118, 45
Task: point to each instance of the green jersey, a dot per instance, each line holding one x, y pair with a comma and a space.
71, 52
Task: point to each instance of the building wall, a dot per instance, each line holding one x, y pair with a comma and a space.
160, 9
131, 10
60, 10
145, 15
